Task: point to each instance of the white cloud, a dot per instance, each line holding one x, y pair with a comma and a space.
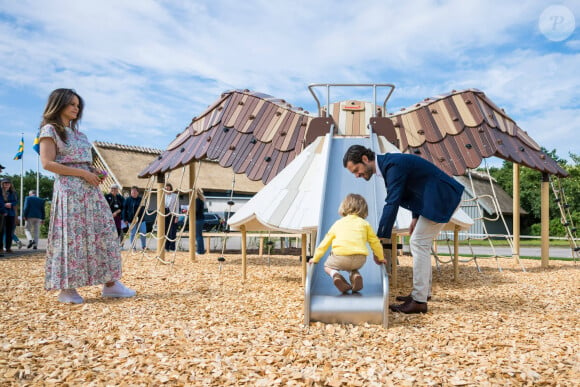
145, 68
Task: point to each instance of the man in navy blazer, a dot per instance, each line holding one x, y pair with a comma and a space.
419, 186
33, 213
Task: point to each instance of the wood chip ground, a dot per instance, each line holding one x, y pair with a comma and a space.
192, 324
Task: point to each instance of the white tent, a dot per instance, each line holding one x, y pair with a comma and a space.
292, 201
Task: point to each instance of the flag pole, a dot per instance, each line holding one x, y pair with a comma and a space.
36, 147
38, 175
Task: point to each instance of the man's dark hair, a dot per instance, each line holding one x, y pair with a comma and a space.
355, 154
135, 187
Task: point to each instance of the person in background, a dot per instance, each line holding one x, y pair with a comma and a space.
82, 248
2, 214
171, 218
10, 203
116, 201
15, 238
132, 211
199, 221
34, 215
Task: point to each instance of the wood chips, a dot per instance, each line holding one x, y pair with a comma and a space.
192, 324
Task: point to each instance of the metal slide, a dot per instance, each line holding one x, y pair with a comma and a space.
323, 301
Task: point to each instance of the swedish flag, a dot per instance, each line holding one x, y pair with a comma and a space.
20, 152
36, 143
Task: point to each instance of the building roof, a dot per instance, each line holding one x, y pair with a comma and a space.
124, 162
258, 135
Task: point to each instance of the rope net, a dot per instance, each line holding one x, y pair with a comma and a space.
482, 219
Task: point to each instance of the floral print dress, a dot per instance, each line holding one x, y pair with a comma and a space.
82, 246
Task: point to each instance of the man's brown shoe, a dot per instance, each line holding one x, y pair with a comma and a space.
340, 283
356, 281
409, 308
408, 298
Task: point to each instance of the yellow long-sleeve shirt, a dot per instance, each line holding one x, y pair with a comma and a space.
349, 236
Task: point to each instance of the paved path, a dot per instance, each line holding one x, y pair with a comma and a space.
555, 252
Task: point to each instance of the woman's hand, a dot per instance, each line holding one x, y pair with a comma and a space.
92, 178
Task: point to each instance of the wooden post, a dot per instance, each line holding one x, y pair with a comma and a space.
303, 256
192, 214
516, 211
161, 216
261, 249
456, 253
244, 252
545, 220
282, 247
394, 255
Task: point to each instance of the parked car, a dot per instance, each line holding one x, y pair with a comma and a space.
213, 222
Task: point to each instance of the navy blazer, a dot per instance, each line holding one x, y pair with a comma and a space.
417, 185
33, 207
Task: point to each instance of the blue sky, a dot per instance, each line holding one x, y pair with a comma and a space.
146, 68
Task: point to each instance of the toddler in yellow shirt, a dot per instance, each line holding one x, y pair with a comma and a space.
349, 236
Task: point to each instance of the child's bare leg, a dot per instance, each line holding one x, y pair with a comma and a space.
330, 271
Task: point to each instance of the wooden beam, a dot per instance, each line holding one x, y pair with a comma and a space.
303, 258
456, 253
161, 216
545, 220
192, 214
394, 242
244, 252
516, 211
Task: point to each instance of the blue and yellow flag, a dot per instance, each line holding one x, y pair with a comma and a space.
18, 155
36, 143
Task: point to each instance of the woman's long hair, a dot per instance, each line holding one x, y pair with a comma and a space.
58, 100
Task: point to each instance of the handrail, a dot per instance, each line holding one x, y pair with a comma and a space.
373, 85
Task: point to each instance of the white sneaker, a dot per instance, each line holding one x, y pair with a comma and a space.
118, 290
70, 296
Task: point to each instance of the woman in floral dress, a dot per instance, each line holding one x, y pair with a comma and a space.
82, 248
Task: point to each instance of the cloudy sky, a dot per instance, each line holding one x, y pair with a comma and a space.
145, 67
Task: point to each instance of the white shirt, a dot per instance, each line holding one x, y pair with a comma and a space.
171, 202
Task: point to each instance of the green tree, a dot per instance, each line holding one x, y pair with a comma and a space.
530, 200
29, 183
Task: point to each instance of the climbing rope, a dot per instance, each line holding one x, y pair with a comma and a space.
565, 216
476, 199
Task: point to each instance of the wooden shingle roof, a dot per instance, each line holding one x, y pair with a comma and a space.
123, 163
252, 133
457, 130
258, 135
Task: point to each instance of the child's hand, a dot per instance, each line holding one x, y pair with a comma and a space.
377, 260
